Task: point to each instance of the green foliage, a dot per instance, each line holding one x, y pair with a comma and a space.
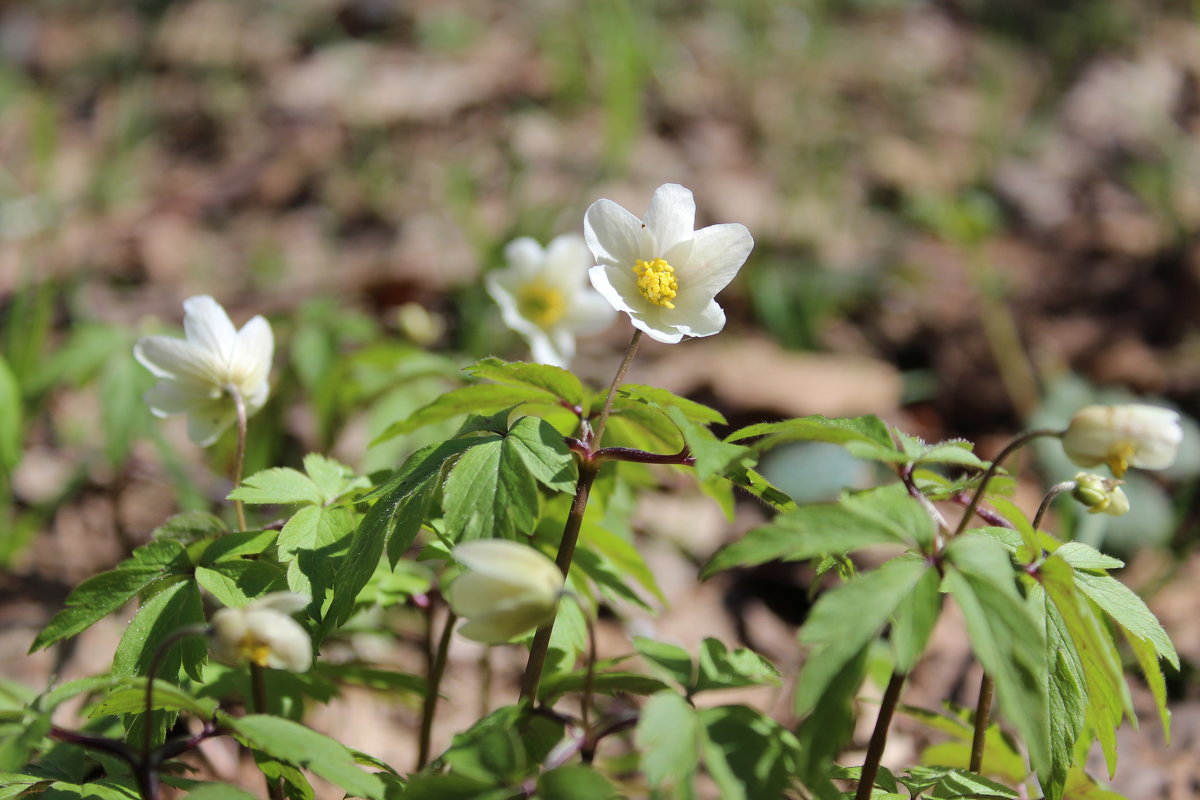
301, 746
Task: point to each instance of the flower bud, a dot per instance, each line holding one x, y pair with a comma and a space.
263, 633
507, 589
1100, 494
1123, 436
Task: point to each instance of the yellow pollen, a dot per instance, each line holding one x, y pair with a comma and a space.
1118, 457
253, 649
656, 281
541, 304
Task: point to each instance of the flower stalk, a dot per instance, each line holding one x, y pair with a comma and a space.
436, 670
887, 709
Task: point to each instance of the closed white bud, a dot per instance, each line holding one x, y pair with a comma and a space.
1123, 436
264, 633
507, 589
1100, 495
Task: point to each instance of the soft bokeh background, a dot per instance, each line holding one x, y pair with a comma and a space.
970, 216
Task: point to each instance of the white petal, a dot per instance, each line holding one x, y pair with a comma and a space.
228, 629
206, 424
706, 322
288, 643
207, 325
652, 327
555, 347
567, 260
166, 357
590, 313
671, 216
617, 287
283, 602
614, 235
718, 252
474, 594
525, 257
253, 351
169, 397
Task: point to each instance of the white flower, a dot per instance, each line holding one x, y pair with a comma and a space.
507, 589
263, 633
543, 296
661, 272
195, 374
1124, 436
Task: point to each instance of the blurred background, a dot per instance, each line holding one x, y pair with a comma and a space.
970, 216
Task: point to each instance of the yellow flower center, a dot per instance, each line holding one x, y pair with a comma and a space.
541, 304
656, 281
253, 649
1118, 457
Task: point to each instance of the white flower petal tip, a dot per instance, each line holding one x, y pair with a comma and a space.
263, 633
659, 270
196, 374
1123, 436
507, 589
543, 295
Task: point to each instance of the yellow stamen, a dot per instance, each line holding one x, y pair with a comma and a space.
656, 281
254, 650
1118, 457
541, 304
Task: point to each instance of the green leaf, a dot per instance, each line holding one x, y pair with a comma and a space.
1066, 692
1082, 556
1148, 659
635, 424
331, 477
235, 583
490, 493
953, 451
97, 790
131, 699
190, 526
102, 594
1127, 610
713, 456
315, 528
575, 782
11, 426
236, 546
830, 721
665, 400
544, 453
478, 398
748, 754
422, 786
554, 686
666, 659
381, 680
623, 556
948, 782
669, 737
878, 516
278, 486
175, 606
301, 746
122, 412
1004, 636
720, 668
500, 747
914, 620
555, 380
219, 791
843, 621
870, 432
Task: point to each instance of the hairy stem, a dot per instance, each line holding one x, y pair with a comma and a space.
1016, 444
982, 710
602, 420
870, 768
240, 459
436, 671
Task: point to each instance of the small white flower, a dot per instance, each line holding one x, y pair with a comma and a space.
661, 271
1123, 436
543, 295
195, 374
507, 589
263, 633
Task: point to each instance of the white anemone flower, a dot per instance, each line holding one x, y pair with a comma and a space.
196, 374
507, 589
1123, 436
543, 295
264, 633
660, 271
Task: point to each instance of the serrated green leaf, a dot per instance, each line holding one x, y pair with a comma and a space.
1004, 636
175, 606
666, 659
97, 790
219, 791
102, 594
865, 430
553, 686
555, 380
1148, 659
844, 620
236, 582
665, 400
11, 414
423, 786
331, 477
635, 424
278, 486
190, 526
878, 516
623, 556
314, 528
721, 668
489, 493
544, 453
1066, 692
131, 699
669, 738
381, 680
301, 746
948, 782
748, 754
914, 620
712, 456
1127, 610
575, 782
1082, 556
955, 451
479, 398
830, 721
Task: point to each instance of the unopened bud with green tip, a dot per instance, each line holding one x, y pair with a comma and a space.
1100, 495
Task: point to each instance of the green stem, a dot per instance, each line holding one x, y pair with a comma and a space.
589, 677
431, 691
1055, 491
994, 467
870, 768
982, 710
240, 459
566, 552
612, 389
258, 690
